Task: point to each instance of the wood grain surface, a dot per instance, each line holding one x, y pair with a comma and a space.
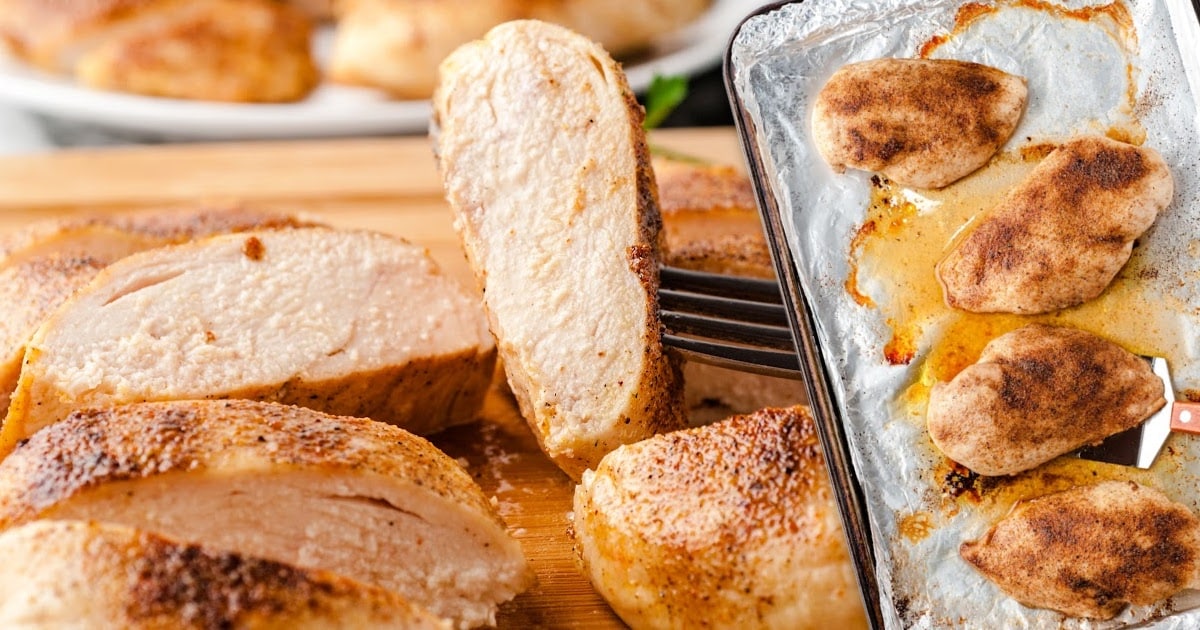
389, 185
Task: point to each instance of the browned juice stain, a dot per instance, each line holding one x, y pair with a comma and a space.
993, 497
916, 526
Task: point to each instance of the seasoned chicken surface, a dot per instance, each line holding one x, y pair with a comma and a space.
711, 223
396, 45
107, 237
545, 166
43, 265
732, 525
1036, 393
348, 495
75, 574
921, 122
1059, 238
229, 50
1090, 550
353, 323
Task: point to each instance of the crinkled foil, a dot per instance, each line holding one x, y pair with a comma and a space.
1130, 70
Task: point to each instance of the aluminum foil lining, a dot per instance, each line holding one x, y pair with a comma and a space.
1129, 70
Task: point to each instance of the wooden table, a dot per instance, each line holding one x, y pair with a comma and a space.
383, 184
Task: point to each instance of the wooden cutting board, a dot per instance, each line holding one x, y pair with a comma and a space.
382, 184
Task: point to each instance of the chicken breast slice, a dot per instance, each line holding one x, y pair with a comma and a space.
732, 525
45, 263
353, 323
1039, 392
79, 575
1059, 238
711, 224
1091, 550
921, 122
545, 165
348, 495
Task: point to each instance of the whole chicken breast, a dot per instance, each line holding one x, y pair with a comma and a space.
348, 495
227, 50
1059, 238
75, 574
354, 323
396, 45
1039, 392
732, 525
1091, 550
545, 166
921, 122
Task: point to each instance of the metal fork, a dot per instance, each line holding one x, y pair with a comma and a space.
730, 321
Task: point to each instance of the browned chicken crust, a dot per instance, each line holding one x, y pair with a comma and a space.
1059, 238
77, 573
1036, 393
730, 525
921, 122
1089, 551
232, 50
546, 168
350, 495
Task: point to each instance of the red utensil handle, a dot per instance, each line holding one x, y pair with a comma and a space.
1185, 416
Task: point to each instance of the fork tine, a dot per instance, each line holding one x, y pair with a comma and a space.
730, 321
735, 287
670, 299
759, 335
784, 364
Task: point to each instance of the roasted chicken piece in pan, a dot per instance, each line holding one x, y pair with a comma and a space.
1059, 238
731, 525
921, 122
1036, 393
1089, 551
76, 574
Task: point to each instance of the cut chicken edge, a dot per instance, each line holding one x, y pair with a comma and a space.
71, 574
457, 562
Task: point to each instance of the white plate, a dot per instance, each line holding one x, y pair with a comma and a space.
332, 110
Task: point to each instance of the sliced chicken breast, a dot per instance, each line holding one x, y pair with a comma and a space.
1091, 550
1036, 393
78, 575
348, 495
711, 223
44, 264
545, 165
353, 323
1059, 238
921, 122
732, 525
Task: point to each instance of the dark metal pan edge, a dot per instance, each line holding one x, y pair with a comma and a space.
829, 422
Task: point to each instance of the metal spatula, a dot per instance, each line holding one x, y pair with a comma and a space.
1141, 445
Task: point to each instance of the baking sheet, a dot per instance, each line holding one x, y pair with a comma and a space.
865, 251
